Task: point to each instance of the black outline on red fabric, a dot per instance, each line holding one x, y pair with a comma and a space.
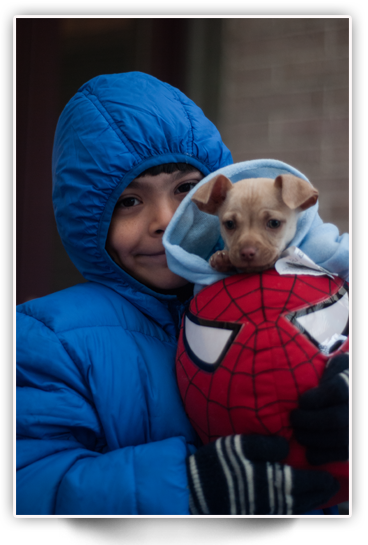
279, 323
210, 367
293, 316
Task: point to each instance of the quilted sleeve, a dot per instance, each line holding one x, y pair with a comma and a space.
63, 464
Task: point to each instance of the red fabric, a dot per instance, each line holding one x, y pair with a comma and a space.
267, 367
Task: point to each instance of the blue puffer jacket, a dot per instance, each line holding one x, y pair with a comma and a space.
100, 425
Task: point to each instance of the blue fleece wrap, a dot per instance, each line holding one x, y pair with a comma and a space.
193, 236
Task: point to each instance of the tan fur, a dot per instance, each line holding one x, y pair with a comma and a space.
247, 211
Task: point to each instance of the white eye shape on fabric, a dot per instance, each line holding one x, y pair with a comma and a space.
327, 323
207, 341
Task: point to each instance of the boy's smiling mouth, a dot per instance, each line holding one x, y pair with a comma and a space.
155, 254
150, 253
159, 257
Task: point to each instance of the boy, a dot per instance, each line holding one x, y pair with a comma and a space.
101, 428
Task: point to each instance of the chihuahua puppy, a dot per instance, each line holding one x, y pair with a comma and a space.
258, 218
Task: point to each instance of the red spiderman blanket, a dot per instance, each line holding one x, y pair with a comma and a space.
250, 345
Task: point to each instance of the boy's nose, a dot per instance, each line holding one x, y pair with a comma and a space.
162, 217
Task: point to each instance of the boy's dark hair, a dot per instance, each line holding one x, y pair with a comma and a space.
168, 168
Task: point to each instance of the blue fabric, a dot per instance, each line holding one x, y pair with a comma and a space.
193, 236
101, 428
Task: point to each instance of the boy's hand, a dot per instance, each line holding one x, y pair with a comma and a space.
321, 423
239, 475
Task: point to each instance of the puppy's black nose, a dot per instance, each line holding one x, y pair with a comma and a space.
248, 252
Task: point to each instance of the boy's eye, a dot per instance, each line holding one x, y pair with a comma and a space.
186, 187
127, 202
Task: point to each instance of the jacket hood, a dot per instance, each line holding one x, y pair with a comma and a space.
114, 128
193, 236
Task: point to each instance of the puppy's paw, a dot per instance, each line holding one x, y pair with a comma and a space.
220, 262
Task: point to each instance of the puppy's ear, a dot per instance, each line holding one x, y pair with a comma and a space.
211, 195
295, 192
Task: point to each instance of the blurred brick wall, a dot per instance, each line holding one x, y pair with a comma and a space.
285, 95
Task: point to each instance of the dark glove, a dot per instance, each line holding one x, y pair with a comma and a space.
321, 423
239, 475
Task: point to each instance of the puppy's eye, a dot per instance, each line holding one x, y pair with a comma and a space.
229, 225
273, 224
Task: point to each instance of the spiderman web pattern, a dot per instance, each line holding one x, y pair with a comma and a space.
228, 400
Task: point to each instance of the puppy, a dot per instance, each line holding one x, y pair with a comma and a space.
258, 218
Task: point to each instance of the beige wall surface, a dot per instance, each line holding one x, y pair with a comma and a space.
285, 95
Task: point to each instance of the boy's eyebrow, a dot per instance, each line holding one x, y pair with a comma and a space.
140, 182
135, 183
181, 174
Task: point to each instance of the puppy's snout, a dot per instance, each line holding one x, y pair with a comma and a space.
248, 252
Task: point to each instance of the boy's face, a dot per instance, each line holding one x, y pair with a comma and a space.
138, 223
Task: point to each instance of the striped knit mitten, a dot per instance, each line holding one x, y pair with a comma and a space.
321, 423
239, 475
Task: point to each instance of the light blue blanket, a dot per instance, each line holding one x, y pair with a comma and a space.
193, 236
